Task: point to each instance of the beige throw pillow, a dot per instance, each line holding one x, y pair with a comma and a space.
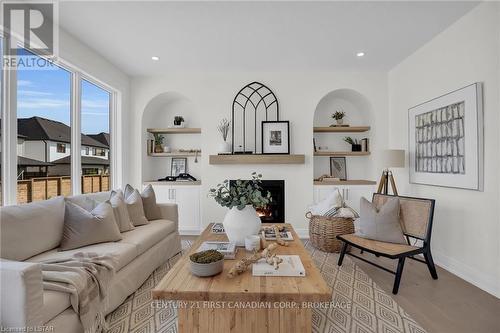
135, 207
120, 209
380, 224
151, 209
82, 227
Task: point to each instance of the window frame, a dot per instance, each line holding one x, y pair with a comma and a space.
8, 89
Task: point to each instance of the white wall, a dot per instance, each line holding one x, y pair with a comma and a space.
298, 95
466, 231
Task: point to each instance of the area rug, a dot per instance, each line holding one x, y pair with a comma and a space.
369, 310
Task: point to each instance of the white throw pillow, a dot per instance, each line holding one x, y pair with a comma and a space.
328, 205
135, 207
121, 211
380, 224
82, 227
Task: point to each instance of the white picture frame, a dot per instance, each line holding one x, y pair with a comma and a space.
445, 140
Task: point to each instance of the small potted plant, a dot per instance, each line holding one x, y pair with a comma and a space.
339, 117
355, 145
158, 139
241, 198
223, 128
179, 121
206, 263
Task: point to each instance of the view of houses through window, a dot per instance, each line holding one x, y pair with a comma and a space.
44, 100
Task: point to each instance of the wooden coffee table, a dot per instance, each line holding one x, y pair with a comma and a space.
245, 303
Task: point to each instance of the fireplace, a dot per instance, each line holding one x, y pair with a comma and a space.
275, 211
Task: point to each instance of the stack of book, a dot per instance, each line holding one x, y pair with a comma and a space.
291, 266
228, 249
218, 228
268, 234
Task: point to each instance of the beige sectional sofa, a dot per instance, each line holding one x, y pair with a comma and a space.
31, 233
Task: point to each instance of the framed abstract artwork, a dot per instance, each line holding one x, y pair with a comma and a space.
445, 140
338, 168
275, 137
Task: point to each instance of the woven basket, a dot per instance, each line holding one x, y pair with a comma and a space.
323, 231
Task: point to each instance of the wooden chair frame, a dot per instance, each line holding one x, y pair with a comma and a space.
425, 249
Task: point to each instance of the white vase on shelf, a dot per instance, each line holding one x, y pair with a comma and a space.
238, 224
224, 148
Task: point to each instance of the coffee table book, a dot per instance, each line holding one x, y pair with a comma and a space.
228, 249
291, 266
219, 304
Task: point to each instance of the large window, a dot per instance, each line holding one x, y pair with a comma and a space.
95, 119
44, 131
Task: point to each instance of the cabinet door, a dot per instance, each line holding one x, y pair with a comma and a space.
164, 193
188, 201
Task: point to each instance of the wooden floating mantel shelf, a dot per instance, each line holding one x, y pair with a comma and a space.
343, 129
256, 159
347, 182
177, 130
341, 153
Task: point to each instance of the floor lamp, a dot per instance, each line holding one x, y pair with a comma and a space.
392, 158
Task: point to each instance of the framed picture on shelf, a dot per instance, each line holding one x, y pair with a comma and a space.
275, 137
178, 166
338, 168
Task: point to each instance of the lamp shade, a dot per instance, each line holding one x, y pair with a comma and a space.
393, 158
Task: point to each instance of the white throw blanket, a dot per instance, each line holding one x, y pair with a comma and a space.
86, 277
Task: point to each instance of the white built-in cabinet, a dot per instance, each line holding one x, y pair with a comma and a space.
352, 194
188, 199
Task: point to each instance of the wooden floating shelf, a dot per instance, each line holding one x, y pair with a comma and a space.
256, 159
347, 182
185, 130
341, 153
174, 154
344, 129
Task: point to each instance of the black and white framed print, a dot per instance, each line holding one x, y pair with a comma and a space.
275, 137
446, 140
178, 166
338, 168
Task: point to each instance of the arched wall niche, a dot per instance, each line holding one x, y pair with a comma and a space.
359, 112
159, 113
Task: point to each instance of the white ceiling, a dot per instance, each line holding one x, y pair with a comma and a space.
256, 36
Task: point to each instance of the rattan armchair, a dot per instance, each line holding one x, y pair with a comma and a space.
416, 216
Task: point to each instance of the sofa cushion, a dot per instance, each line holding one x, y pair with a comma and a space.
31, 229
122, 217
84, 228
146, 236
135, 208
54, 302
123, 253
151, 209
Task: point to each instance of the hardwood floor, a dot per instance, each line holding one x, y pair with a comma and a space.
446, 305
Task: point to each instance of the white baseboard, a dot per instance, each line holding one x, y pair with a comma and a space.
303, 233
469, 274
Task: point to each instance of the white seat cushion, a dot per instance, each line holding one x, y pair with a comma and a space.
123, 252
146, 236
54, 302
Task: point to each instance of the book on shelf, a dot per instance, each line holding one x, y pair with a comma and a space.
269, 234
228, 249
291, 266
218, 228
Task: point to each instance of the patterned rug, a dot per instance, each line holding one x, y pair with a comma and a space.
370, 308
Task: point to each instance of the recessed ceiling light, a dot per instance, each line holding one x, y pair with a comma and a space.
360, 54
155, 58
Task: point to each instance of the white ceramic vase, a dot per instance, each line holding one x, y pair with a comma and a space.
239, 224
224, 147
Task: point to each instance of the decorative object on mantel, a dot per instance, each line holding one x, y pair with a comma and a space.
206, 263
158, 139
355, 144
254, 103
275, 137
339, 118
223, 128
392, 158
446, 140
242, 198
338, 168
179, 122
